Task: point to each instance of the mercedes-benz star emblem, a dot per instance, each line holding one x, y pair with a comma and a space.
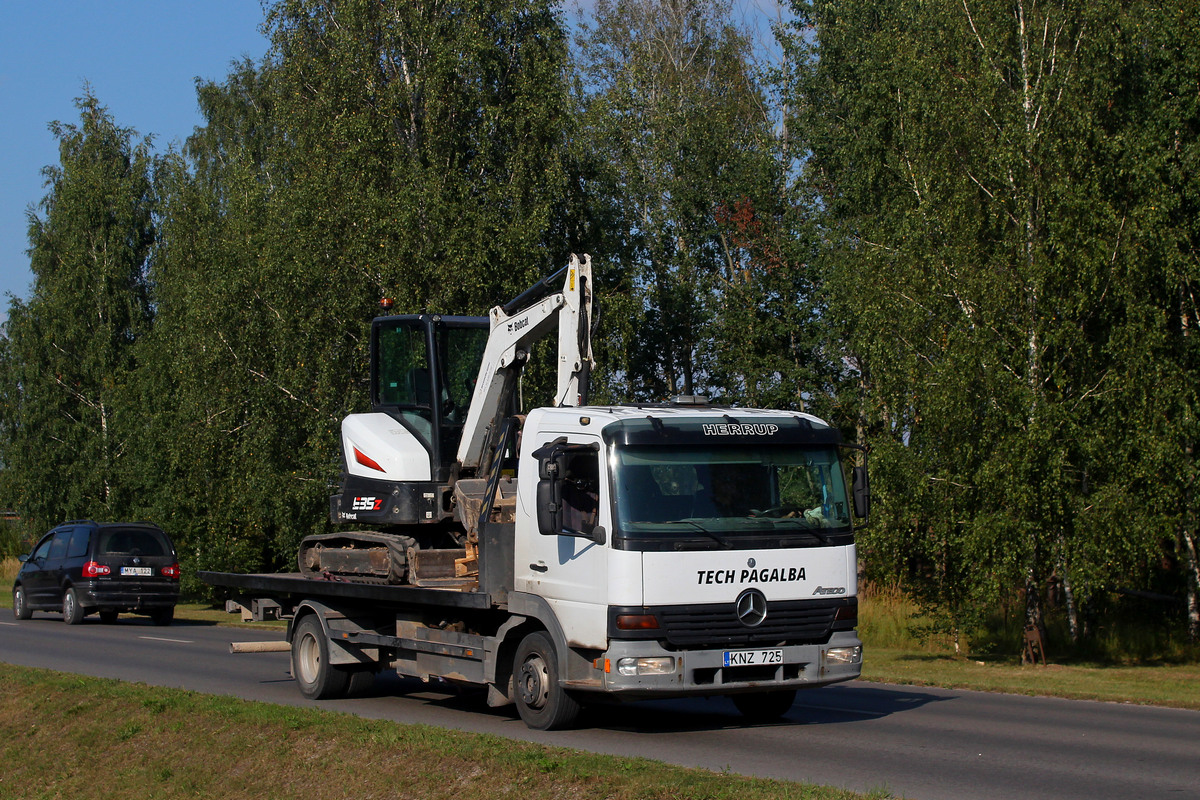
751, 608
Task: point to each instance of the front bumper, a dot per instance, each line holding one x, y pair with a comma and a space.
702, 672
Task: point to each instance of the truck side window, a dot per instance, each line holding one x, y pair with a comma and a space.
581, 492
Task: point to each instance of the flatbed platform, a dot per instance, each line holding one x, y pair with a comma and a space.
293, 584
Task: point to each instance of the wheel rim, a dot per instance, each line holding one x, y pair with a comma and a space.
308, 658
18, 602
69, 604
534, 682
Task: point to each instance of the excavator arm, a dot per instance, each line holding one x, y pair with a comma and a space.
515, 327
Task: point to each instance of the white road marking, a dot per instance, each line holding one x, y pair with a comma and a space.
160, 639
12, 624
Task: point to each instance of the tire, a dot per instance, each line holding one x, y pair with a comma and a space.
764, 707
542, 703
361, 681
161, 616
72, 612
109, 616
318, 679
21, 609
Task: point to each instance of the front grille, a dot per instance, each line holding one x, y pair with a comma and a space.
716, 625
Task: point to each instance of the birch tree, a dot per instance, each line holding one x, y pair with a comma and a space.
71, 345
966, 155
682, 171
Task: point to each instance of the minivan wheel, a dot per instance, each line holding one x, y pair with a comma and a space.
72, 612
21, 609
162, 616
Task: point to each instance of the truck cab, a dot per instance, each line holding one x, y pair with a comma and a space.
689, 550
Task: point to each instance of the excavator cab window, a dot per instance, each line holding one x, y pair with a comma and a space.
402, 366
423, 371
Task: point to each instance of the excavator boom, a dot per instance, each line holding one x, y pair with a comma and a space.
514, 329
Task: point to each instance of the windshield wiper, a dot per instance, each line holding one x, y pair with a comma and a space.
710, 534
807, 526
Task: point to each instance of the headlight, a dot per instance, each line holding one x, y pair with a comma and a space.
843, 655
646, 666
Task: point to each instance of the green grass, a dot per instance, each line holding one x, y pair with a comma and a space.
1173, 685
161, 744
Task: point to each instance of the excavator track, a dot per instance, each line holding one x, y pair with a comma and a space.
367, 556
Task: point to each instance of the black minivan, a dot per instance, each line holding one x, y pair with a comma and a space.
84, 566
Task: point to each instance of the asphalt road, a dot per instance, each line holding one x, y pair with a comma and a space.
919, 743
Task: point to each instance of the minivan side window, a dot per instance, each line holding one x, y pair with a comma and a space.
43, 549
79, 543
59, 548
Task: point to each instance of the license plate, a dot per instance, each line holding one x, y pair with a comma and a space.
744, 658
137, 571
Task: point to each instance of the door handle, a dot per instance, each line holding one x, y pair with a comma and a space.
538, 567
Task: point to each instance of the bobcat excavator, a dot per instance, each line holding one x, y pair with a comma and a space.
418, 467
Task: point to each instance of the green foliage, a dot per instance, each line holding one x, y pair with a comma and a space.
68, 419
988, 190
684, 177
971, 241
408, 152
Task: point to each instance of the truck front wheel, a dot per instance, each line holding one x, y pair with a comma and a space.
318, 679
542, 703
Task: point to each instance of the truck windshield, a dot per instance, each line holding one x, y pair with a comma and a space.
728, 496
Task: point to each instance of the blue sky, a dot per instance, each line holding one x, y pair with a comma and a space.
141, 59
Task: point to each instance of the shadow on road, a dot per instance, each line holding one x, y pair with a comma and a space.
846, 704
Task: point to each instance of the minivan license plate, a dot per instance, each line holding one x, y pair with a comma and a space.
743, 658
139, 571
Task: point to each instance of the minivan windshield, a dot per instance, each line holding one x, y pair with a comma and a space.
727, 493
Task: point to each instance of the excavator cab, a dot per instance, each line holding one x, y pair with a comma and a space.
423, 371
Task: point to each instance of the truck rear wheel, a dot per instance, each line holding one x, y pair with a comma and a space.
764, 707
542, 703
318, 679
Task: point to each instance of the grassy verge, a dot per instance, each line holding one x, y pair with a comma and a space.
1164, 685
166, 741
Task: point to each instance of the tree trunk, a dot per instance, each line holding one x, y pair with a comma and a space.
1033, 607
1193, 585
1072, 611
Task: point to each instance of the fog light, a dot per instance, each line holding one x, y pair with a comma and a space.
843, 655
646, 666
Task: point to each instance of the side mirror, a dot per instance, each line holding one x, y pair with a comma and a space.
23, 557
549, 507
862, 493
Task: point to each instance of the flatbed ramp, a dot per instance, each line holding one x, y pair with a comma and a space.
296, 585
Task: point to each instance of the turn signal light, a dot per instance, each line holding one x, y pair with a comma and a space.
171, 571
637, 622
93, 570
